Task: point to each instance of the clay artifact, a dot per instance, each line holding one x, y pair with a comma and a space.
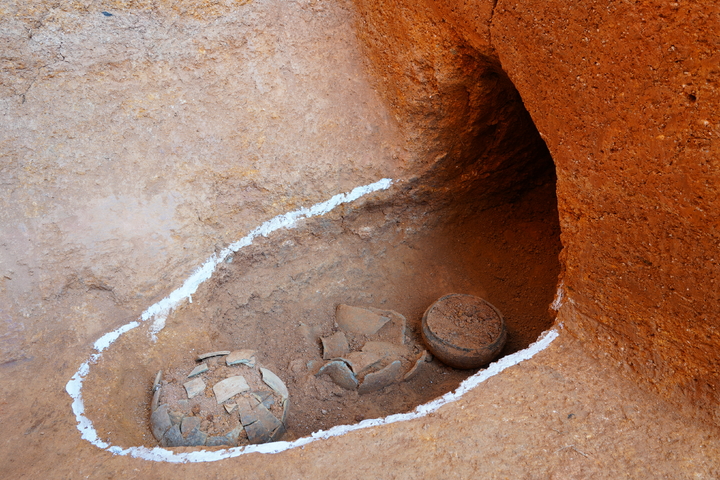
359, 320
202, 368
464, 331
340, 374
274, 382
219, 353
226, 389
378, 380
336, 345
248, 417
241, 357
194, 387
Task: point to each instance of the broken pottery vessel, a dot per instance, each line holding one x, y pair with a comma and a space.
464, 331
383, 358
248, 406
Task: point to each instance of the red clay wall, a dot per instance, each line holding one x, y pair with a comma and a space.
625, 94
462, 118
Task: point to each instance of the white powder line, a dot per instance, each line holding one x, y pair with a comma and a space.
159, 312
559, 297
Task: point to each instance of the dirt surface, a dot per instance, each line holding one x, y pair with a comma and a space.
135, 144
560, 415
464, 120
137, 138
625, 97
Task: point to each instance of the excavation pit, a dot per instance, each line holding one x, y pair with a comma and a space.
279, 296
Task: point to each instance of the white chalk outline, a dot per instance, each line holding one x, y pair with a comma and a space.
559, 297
160, 310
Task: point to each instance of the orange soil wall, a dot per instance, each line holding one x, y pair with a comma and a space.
462, 118
625, 95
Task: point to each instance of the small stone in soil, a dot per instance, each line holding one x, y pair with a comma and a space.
381, 379
213, 354
230, 407
194, 387
244, 357
188, 424
297, 366
274, 382
359, 320
202, 368
228, 388
340, 374
334, 346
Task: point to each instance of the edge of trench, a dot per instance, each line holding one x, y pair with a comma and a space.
158, 313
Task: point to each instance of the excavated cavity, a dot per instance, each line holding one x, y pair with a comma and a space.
279, 295
479, 218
